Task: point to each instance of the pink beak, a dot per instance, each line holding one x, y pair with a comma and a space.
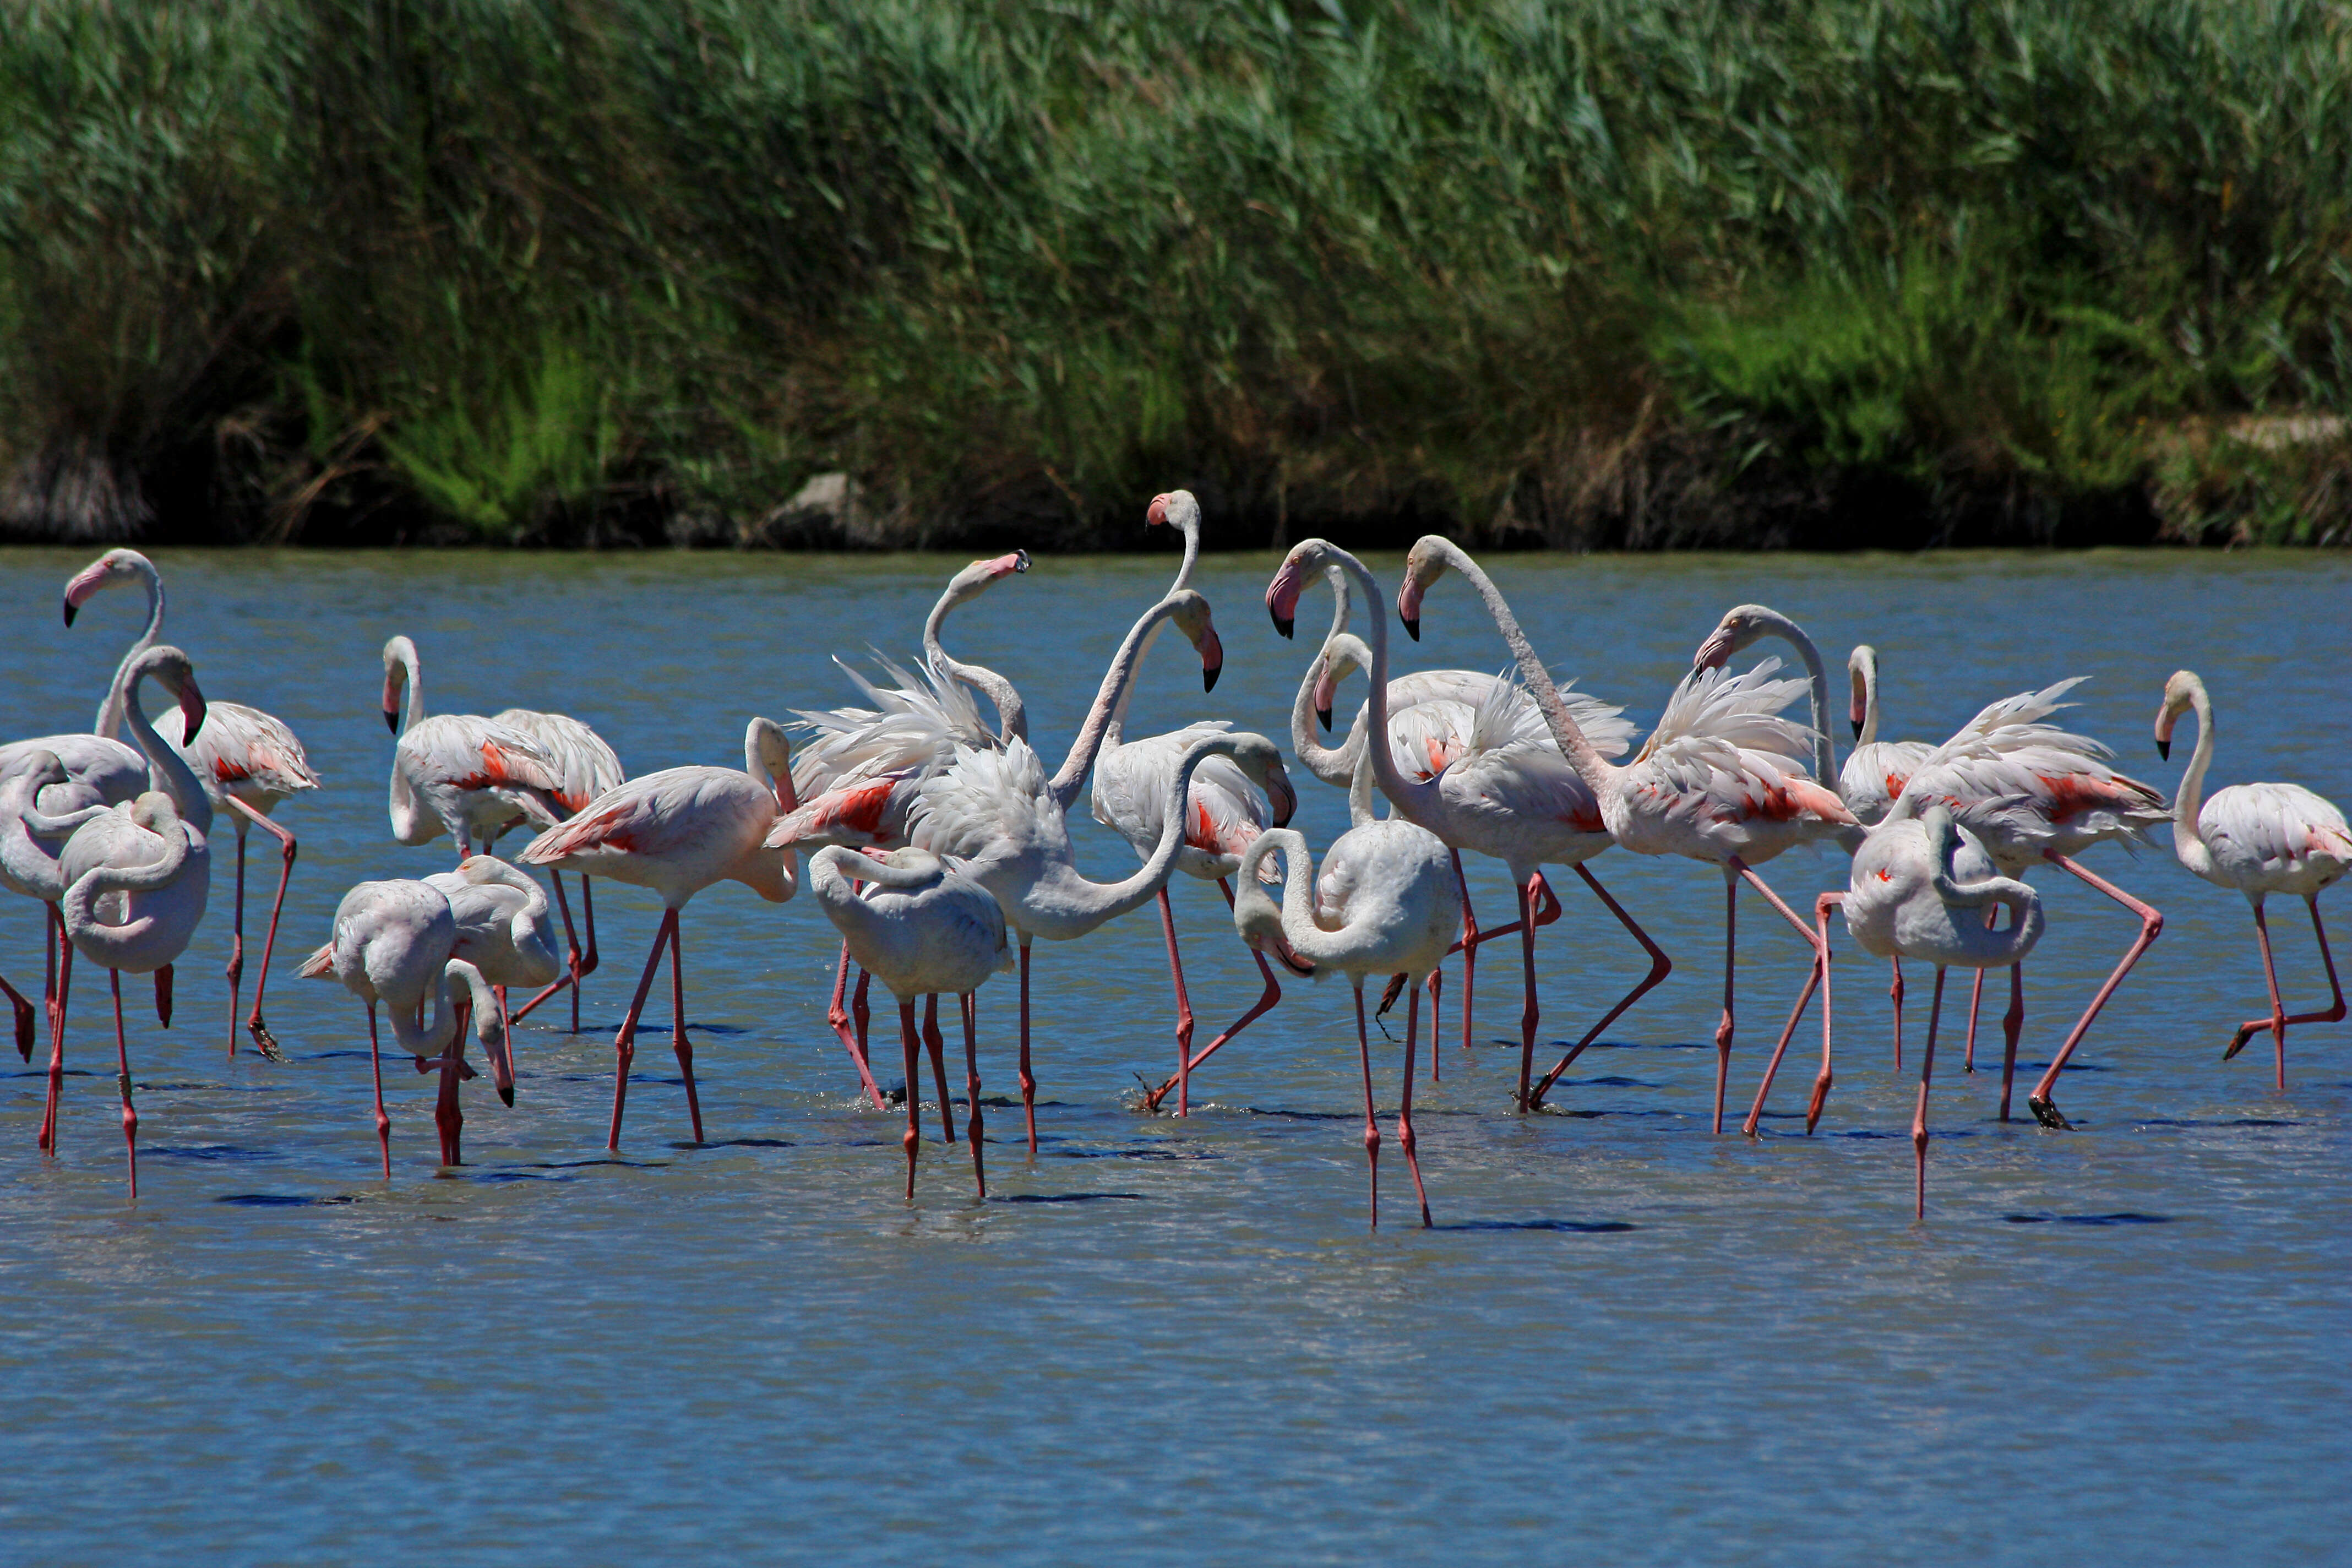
1713, 653
192, 712
1156, 514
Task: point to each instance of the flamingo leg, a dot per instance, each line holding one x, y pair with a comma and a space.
573, 968
680, 1044
1530, 1012
913, 1138
1469, 946
970, 1004
938, 1047
860, 1011
1919, 1113
382, 1122
1895, 994
1267, 998
1730, 962
838, 1017
262, 1038
122, 1081
1780, 1050
1371, 1127
446, 1114
1436, 988
1659, 967
236, 970
2330, 1014
502, 1073
1405, 1102
1184, 1008
24, 1019
48, 1139
2012, 1023
624, 1044
1028, 1081
1822, 905
2151, 926
1976, 999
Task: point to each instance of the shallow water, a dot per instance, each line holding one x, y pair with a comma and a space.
1627, 1340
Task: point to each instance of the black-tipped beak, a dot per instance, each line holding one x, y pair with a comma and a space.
2164, 750
1209, 673
1857, 729
1412, 626
72, 610
506, 1095
391, 720
1283, 623
1323, 717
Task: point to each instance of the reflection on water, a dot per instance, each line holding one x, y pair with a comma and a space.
1174, 1339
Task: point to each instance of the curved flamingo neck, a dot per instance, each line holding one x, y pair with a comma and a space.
1011, 714
412, 673
1256, 914
1596, 771
1412, 798
179, 781
110, 711
1065, 783
1772, 623
1865, 681
2188, 801
1076, 898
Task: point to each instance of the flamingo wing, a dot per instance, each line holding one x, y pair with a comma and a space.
241, 745
465, 751
2274, 826
986, 805
585, 767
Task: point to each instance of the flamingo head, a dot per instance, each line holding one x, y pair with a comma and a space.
1862, 666
1290, 580
1423, 565
399, 657
1172, 508
174, 673
981, 575
1740, 626
2179, 696
1280, 797
1342, 656
114, 566
1192, 617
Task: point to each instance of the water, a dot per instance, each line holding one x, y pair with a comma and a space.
1628, 1340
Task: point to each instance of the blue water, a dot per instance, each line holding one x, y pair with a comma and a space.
1628, 1341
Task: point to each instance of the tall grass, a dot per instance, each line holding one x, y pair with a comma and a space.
1591, 272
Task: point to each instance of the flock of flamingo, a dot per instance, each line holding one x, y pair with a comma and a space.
939, 846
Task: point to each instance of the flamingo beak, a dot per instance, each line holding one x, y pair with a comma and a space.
1156, 514
71, 609
1283, 799
192, 712
1212, 662
1713, 653
2164, 749
391, 720
1409, 608
1282, 600
1857, 729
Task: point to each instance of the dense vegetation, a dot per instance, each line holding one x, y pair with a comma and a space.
1592, 272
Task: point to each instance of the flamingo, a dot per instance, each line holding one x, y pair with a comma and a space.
1906, 899
585, 767
30, 839
999, 815
1222, 815
2259, 838
136, 877
927, 930
1721, 778
1386, 903
393, 943
460, 773
502, 931
677, 832
247, 760
1485, 774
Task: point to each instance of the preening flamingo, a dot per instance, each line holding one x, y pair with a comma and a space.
1006, 824
1385, 904
502, 931
585, 767
460, 773
30, 840
677, 832
1222, 815
247, 760
927, 930
392, 944
2259, 838
1906, 899
136, 877
1721, 779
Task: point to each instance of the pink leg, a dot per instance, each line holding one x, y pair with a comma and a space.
1976, 999
1812, 978
861, 1013
1780, 1050
383, 1123
1530, 1014
680, 1045
1730, 962
48, 1139
1028, 1081
2151, 926
123, 1078
1822, 905
1919, 1115
1404, 1103
1895, 994
2331, 1014
2012, 1023
262, 1038
1469, 946
1659, 967
971, 1087
1371, 1127
236, 971
838, 1017
1436, 987
573, 968
938, 1047
624, 1044
1267, 998
23, 1020
1184, 1009
446, 1114
913, 1138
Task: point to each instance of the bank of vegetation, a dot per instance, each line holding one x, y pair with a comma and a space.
1588, 273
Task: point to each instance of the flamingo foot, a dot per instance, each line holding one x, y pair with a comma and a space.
1821, 1099
2047, 1113
263, 1040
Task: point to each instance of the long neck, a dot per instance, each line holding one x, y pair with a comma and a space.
433, 1036
1590, 766
1074, 898
1865, 676
110, 711
1359, 783
1255, 911
1411, 795
768, 758
1066, 784
1332, 766
170, 769
2024, 905
414, 677
1775, 624
1011, 715
2189, 800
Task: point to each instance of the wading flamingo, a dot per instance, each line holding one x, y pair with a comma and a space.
502, 931
925, 931
460, 773
247, 760
1906, 898
1721, 779
30, 840
136, 877
1222, 815
392, 944
1386, 903
2259, 838
585, 767
677, 832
